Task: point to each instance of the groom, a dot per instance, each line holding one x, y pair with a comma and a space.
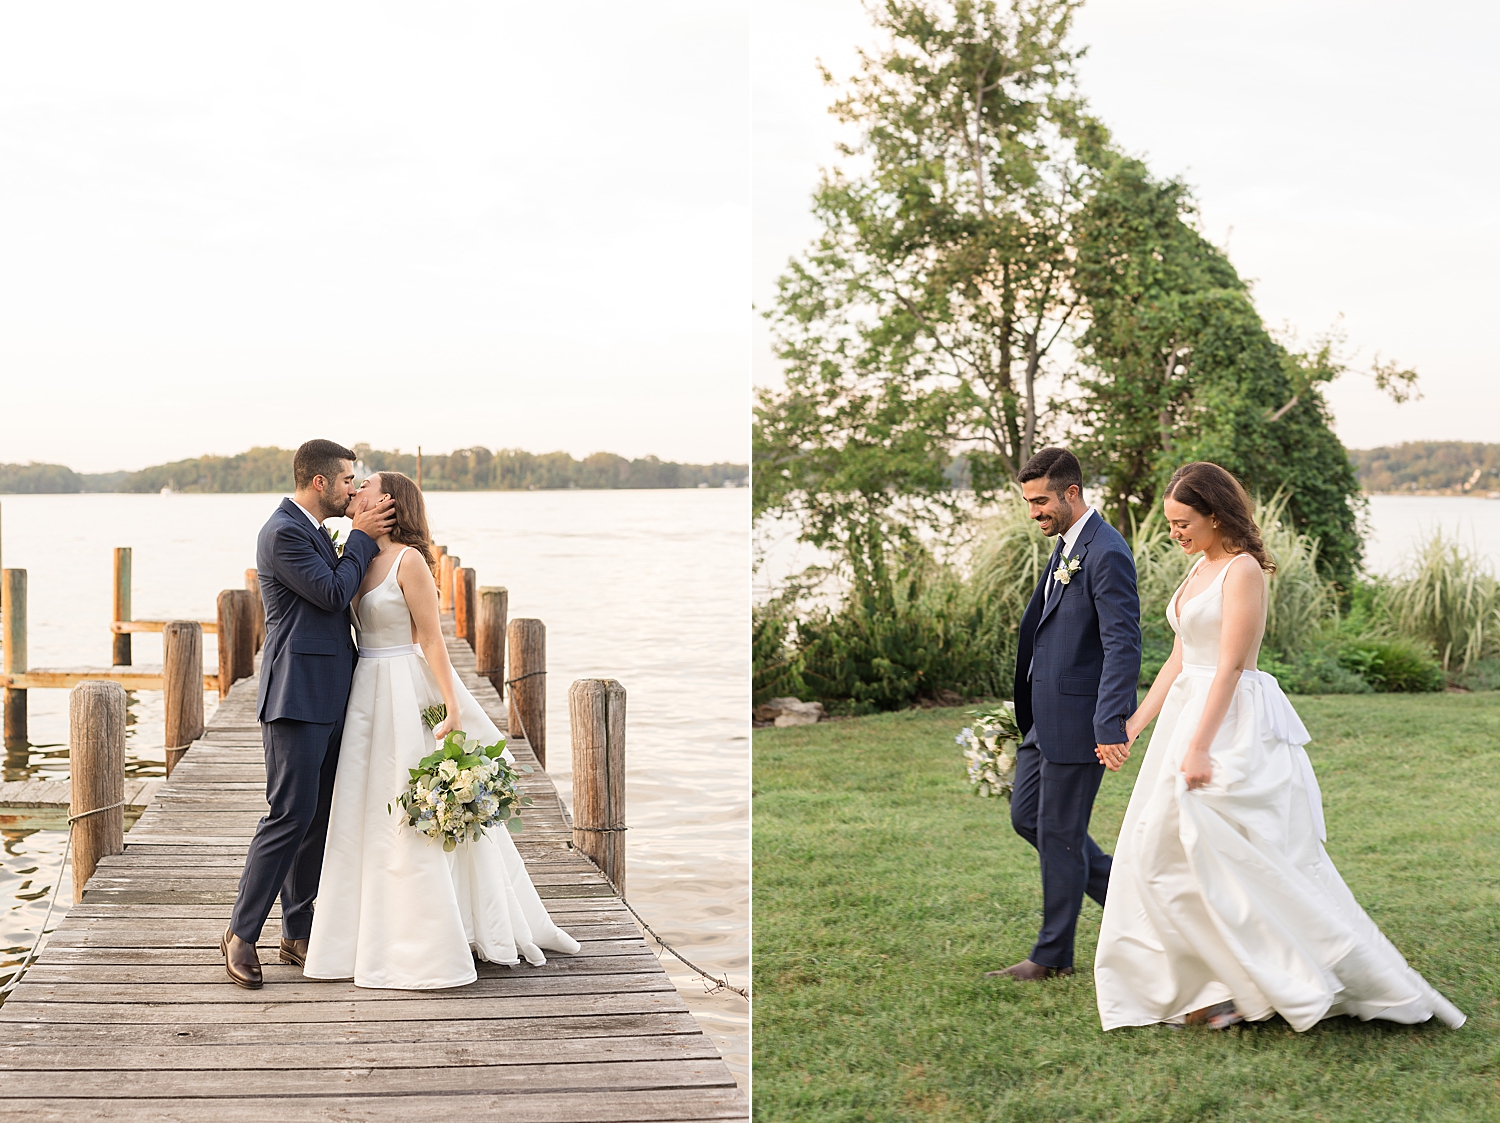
1077, 666
305, 674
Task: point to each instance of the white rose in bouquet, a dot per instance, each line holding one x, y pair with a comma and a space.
339, 530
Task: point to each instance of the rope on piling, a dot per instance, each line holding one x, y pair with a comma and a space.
52, 903
718, 983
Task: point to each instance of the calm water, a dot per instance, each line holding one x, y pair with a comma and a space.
647, 587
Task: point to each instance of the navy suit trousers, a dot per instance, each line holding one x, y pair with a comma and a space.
286, 854
1050, 805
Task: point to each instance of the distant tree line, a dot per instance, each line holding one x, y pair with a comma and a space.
1453, 466
469, 469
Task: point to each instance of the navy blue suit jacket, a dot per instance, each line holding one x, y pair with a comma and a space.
306, 588
1084, 651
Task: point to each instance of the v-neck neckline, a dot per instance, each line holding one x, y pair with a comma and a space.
1179, 606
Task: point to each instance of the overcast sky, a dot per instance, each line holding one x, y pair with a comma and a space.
1344, 152
446, 224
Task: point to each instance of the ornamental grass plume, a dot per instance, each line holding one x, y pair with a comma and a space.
1448, 597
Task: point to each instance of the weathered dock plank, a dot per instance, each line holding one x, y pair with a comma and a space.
127, 1013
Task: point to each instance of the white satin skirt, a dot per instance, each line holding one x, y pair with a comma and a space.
394, 910
1225, 893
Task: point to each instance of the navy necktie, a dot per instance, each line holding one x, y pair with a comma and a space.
1052, 568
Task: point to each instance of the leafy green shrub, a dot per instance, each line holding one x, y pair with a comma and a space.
1482, 674
1392, 665
775, 660
930, 641
1313, 672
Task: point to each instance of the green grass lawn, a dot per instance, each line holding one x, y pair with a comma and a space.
884, 891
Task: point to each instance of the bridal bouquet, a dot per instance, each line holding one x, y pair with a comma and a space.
462, 789
990, 748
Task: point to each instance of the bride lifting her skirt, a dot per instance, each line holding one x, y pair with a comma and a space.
1223, 904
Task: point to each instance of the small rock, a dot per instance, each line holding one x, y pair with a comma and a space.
790, 711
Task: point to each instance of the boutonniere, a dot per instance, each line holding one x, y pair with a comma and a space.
339, 530
1065, 570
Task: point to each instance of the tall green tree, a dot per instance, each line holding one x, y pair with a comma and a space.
924, 320
1178, 366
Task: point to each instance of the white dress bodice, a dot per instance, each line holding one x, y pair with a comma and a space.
381, 619
1201, 623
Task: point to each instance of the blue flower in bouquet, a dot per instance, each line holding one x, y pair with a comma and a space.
463, 789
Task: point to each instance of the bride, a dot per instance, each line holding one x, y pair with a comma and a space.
1223, 905
394, 910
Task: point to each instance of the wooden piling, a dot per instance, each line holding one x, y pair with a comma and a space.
226, 640
446, 565
13, 615
596, 714
528, 683
182, 682
244, 634
96, 766
489, 635
464, 606
121, 654
252, 585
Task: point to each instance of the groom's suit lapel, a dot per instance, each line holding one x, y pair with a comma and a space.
325, 546
1080, 551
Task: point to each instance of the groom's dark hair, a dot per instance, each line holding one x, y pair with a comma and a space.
318, 458
1058, 466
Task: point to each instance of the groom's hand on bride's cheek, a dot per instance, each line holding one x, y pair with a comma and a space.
378, 518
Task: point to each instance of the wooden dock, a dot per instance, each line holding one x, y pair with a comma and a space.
127, 1013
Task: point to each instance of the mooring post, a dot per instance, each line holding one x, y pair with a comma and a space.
528, 684
122, 605
489, 635
226, 642
252, 585
13, 614
182, 683
596, 713
446, 565
464, 608
96, 766
244, 634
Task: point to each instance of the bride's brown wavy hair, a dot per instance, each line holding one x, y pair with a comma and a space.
411, 514
1211, 491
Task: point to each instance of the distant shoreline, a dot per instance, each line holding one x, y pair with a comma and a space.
1452, 493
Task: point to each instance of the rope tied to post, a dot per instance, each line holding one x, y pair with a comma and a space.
518, 678
36, 944
719, 984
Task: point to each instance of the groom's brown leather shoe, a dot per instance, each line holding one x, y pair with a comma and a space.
241, 961
1029, 972
294, 952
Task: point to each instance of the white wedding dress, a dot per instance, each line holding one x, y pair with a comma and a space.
394, 910
1225, 893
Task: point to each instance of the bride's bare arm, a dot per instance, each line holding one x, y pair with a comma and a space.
1156, 697
420, 591
1244, 592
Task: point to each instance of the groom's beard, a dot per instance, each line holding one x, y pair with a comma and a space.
331, 508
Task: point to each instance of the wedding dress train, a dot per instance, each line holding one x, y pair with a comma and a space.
394, 910
1225, 892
